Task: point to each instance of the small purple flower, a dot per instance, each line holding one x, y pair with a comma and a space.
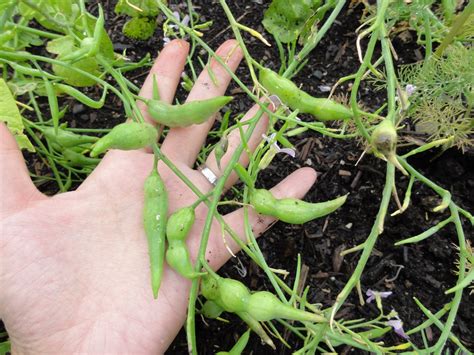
397, 326
184, 22
372, 295
410, 89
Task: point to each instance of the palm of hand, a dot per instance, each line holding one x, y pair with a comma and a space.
90, 246
74, 268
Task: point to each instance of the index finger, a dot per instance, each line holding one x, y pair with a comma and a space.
167, 70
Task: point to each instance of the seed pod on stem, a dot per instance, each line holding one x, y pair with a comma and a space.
384, 142
126, 136
264, 306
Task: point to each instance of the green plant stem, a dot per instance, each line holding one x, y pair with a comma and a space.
390, 73
435, 320
130, 110
438, 189
430, 321
313, 40
426, 234
355, 86
193, 42
370, 241
32, 57
213, 54
190, 321
455, 29
36, 31
428, 146
48, 157
254, 245
428, 39
235, 28
445, 333
437, 348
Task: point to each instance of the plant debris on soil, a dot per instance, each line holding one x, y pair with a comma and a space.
423, 270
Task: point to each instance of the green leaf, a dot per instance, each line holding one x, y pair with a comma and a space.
140, 28
62, 12
74, 78
5, 347
61, 45
286, 19
10, 114
64, 46
132, 8
20, 87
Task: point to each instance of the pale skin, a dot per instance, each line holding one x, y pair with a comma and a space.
74, 268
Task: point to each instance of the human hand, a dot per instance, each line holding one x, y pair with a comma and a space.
74, 268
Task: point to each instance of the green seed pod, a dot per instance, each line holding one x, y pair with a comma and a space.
328, 110
230, 294
264, 306
384, 142
78, 160
177, 230
297, 99
126, 136
233, 295
194, 112
384, 137
180, 223
292, 210
221, 149
67, 138
155, 211
210, 288
212, 310
177, 257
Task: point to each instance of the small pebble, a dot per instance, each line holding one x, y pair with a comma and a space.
318, 74
77, 108
324, 88
344, 173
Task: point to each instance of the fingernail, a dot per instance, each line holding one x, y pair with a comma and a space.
276, 102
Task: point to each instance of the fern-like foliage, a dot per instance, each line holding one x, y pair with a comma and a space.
441, 104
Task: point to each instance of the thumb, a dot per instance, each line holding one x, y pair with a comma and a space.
16, 187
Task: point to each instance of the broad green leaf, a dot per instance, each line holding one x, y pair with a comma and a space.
22, 86
60, 13
10, 114
5, 347
65, 45
286, 19
74, 78
61, 45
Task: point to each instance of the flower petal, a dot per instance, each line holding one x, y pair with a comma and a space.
289, 151
397, 326
185, 20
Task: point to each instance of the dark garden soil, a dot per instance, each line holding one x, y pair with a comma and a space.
424, 270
